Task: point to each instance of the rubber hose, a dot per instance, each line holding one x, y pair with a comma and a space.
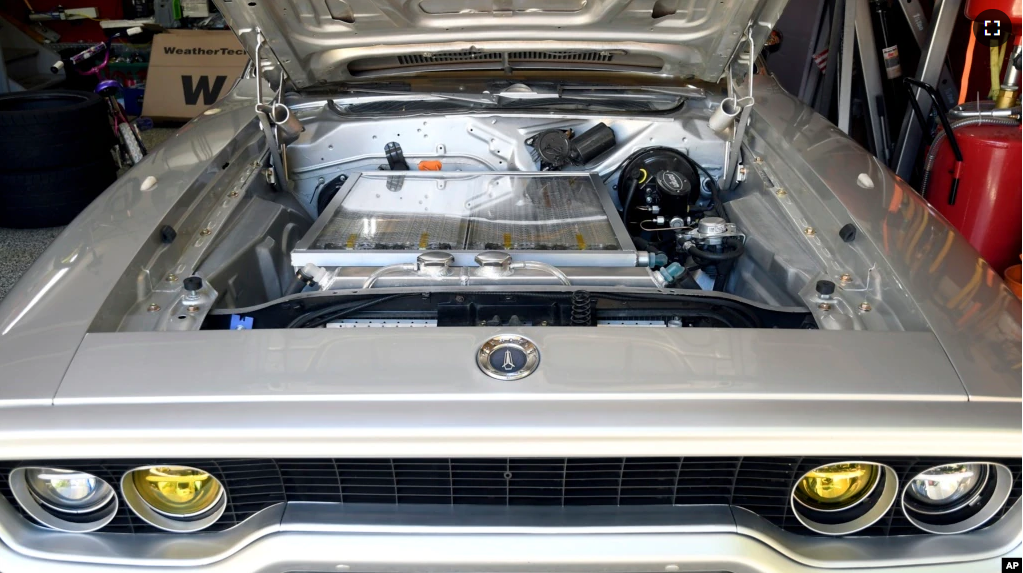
699, 253
644, 245
932, 154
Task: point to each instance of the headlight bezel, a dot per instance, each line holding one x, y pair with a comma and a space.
175, 523
47, 512
861, 514
964, 516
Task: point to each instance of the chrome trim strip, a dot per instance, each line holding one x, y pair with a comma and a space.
455, 527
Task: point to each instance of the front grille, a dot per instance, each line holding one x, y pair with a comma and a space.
759, 484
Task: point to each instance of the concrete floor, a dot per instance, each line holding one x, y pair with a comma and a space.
19, 248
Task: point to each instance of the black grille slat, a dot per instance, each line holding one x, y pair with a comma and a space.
759, 484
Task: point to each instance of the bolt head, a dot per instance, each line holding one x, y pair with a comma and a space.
846, 278
809, 231
781, 192
153, 308
825, 306
543, 323
205, 231
193, 309
865, 306
232, 194
172, 277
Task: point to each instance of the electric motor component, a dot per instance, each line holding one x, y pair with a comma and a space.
591, 144
556, 148
550, 148
563, 219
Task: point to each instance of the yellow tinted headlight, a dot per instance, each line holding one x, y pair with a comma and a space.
177, 491
837, 486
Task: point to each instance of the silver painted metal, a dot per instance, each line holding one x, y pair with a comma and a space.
160, 520
889, 492
570, 535
943, 340
991, 507
101, 515
925, 269
690, 41
508, 357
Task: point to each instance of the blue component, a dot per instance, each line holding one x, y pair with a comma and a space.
241, 322
658, 260
672, 272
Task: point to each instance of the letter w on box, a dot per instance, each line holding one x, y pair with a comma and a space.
189, 71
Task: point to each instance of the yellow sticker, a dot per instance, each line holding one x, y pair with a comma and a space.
351, 240
507, 240
582, 242
424, 240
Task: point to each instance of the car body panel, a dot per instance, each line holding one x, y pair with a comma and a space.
321, 537
964, 301
440, 365
44, 318
315, 41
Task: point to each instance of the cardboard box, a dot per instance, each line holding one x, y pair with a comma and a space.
189, 70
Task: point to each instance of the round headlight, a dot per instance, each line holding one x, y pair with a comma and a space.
843, 498
946, 488
175, 498
838, 486
67, 500
955, 498
68, 491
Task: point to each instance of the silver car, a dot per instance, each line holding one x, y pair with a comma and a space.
460, 285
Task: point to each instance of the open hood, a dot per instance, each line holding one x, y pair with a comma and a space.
324, 42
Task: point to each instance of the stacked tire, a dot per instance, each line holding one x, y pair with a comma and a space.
55, 156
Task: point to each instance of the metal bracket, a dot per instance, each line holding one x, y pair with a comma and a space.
266, 122
734, 148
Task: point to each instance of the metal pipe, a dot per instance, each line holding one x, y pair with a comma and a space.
538, 266
351, 278
372, 278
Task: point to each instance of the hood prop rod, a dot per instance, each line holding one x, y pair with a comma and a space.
734, 106
264, 114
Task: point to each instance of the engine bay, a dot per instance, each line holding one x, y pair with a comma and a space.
613, 213
542, 215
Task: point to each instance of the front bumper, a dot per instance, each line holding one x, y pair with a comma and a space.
314, 538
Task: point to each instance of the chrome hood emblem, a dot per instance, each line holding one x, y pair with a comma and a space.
508, 357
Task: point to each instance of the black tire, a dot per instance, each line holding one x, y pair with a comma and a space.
53, 197
46, 129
